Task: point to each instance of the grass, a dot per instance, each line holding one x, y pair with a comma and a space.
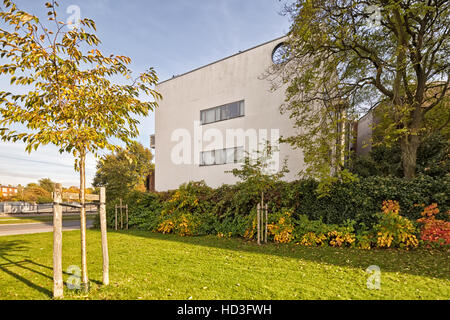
35, 219
146, 265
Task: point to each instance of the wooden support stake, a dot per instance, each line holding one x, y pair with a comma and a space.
258, 222
103, 227
116, 216
121, 215
126, 209
265, 235
58, 284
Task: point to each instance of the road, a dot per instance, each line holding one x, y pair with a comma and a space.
39, 227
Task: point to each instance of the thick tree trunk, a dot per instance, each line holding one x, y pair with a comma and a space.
409, 146
84, 274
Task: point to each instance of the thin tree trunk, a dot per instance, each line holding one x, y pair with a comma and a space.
58, 283
104, 228
84, 274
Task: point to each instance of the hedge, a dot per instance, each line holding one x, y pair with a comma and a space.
229, 207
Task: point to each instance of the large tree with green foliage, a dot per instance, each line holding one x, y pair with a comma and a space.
346, 55
72, 100
124, 170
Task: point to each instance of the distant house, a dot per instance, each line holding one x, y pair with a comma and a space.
8, 191
365, 125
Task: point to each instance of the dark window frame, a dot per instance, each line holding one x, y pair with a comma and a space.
222, 108
202, 164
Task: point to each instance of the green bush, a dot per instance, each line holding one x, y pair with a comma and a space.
144, 210
230, 210
233, 226
361, 200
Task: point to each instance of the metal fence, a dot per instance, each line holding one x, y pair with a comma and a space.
40, 208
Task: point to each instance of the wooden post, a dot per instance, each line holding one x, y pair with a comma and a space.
103, 227
58, 284
265, 235
258, 222
262, 216
121, 215
116, 216
126, 210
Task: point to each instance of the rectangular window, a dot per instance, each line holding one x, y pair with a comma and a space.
220, 113
207, 158
239, 155
222, 156
230, 154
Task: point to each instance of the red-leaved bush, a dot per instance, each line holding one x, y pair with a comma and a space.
434, 231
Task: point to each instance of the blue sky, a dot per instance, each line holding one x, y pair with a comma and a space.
173, 36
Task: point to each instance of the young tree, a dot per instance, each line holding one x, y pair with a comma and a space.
72, 102
365, 52
257, 170
124, 170
35, 193
47, 184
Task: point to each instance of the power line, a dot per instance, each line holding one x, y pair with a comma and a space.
36, 161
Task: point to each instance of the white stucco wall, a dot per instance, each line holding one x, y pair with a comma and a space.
232, 79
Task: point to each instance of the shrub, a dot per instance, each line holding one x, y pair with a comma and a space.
282, 228
167, 226
340, 239
360, 200
303, 226
394, 230
315, 232
347, 216
311, 239
434, 232
184, 224
236, 226
191, 197
364, 241
186, 211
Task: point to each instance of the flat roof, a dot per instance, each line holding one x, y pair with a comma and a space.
207, 65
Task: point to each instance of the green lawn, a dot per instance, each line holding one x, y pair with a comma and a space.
35, 219
146, 265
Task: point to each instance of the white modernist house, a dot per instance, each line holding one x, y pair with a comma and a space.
211, 116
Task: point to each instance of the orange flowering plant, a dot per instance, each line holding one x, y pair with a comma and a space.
282, 228
393, 230
434, 232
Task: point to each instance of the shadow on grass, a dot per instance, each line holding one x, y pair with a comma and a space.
420, 262
11, 249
